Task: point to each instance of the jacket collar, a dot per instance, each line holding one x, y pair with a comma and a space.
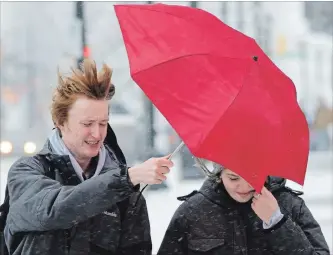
110, 142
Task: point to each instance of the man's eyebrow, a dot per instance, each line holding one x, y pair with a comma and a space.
90, 120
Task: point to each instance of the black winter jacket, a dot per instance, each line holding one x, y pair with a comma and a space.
104, 215
210, 222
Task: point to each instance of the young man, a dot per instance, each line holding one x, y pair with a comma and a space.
89, 204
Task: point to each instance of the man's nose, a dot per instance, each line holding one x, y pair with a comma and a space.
96, 132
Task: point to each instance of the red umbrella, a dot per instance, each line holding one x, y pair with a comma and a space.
224, 97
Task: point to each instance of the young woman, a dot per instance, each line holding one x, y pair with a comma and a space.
227, 217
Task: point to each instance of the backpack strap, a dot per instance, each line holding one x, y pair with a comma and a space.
4, 208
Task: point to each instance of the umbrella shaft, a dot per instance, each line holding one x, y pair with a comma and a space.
179, 147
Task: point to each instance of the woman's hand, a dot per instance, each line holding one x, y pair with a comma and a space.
264, 205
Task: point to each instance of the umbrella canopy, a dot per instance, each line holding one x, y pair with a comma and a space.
220, 92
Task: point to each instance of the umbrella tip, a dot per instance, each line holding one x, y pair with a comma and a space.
255, 58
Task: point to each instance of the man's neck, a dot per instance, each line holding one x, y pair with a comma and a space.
84, 164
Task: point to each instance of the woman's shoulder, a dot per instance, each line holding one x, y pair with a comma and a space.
288, 194
290, 200
194, 204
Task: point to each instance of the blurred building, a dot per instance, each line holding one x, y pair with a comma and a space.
302, 44
47, 36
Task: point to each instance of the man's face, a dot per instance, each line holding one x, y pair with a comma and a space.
236, 186
85, 129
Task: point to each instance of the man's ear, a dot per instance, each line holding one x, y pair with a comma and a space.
58, 127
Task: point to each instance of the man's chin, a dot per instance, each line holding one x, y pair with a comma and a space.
91, 153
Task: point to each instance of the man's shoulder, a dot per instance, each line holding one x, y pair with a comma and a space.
33, 162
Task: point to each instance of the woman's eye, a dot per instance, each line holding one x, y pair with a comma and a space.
87, 124
103, 124
234, 179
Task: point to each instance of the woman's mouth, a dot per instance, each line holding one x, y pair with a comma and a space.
246, 194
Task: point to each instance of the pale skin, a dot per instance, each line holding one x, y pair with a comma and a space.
84, 132
264, 204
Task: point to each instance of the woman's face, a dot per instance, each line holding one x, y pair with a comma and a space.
236, 186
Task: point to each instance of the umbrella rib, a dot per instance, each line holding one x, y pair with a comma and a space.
201, 54
233, 101
184, 56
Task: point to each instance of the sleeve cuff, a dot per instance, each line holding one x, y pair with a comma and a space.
276, 226
275, 219
136, 188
